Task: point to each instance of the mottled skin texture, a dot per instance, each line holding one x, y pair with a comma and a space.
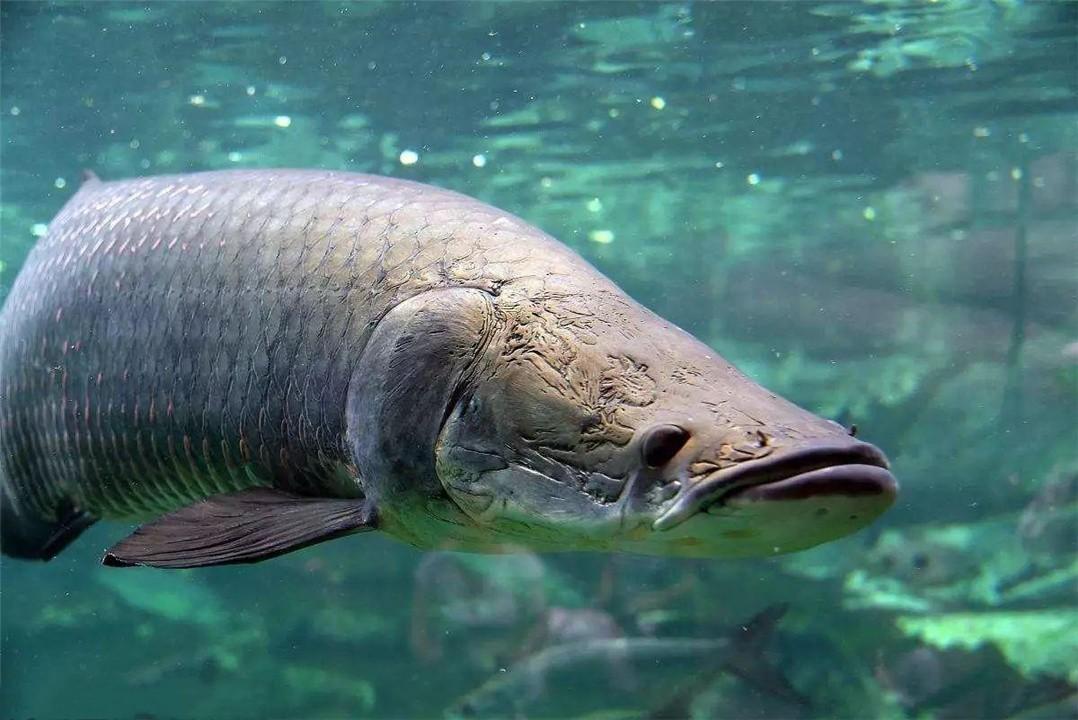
343, 335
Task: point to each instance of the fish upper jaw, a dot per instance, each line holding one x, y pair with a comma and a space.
842, 467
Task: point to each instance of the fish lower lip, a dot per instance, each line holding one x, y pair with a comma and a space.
820, 468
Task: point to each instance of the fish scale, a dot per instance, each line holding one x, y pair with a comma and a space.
176, 337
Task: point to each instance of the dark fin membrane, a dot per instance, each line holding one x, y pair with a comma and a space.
748, 661
32, 538
89, 177
241, 527
745, 660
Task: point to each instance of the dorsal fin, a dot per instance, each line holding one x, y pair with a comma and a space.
30, 537
89, 177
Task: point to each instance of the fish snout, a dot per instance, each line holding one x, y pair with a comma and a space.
757, 469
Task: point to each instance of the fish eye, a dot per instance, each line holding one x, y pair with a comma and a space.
662, 443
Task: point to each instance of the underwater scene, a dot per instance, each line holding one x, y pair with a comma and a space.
869, 208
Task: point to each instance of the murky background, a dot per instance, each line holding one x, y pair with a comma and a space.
872, 208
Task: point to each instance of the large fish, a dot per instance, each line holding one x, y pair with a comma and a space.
255, 361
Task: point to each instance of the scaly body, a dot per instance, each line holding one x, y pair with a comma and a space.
175, 337
185, 337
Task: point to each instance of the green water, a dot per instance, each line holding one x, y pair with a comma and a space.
871, 208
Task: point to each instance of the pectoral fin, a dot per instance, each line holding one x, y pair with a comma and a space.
241, 527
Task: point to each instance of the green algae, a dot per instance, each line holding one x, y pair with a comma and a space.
176, 597
1035, 641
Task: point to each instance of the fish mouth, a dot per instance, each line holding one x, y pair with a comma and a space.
814, 470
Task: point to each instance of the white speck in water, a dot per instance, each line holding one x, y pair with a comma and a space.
1016, 174
234, 156
282, 121
869, 213
485, 57
250, 89
15, 110
39, 229
409, 157
720, 164
546, 182
603, 237
134, 144
282, 60
144, 164
981, 131
60, 183
658, 103
613, 112
479, 160
594, 205
197, 100
1023, 138
836, 155
753, 179
372, 65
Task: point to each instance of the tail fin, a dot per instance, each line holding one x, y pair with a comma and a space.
27, 536
745, 660
748, 661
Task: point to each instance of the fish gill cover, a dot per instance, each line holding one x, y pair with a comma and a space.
869, 207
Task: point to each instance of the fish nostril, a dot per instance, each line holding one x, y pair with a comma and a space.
662, 443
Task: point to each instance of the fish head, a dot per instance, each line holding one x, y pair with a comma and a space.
615, 430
